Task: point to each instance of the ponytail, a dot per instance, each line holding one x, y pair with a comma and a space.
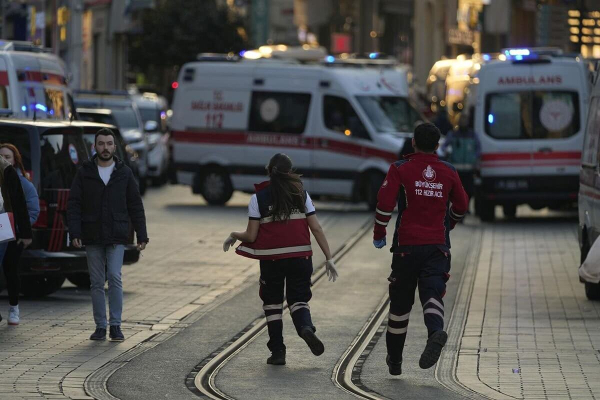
287, 191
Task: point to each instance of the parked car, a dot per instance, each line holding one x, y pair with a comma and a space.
589, 186
125, 152
52, 153
153, 109
127, 118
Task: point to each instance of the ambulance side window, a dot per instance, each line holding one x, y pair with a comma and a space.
592, 136
278, 112
339, 116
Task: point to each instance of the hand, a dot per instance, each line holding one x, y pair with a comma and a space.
379, 243
230, 241
330, 270
77, 243
25, 242
141, 246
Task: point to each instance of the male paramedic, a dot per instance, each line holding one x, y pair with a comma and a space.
431, 200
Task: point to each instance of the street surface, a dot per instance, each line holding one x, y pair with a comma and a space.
518, 320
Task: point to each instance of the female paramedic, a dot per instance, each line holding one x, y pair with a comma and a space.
280, 215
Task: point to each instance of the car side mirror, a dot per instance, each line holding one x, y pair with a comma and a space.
151, 126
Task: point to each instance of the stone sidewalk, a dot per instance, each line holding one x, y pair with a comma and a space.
183, 270
530, 331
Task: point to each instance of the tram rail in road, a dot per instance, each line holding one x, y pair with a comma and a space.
201, 380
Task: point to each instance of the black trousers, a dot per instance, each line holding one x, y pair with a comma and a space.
294, 274
10, 265
467, 179
425, 267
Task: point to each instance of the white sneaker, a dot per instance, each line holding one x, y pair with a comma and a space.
13, 315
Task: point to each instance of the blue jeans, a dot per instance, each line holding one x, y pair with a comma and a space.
106, 262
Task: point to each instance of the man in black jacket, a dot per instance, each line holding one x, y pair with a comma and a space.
103, 198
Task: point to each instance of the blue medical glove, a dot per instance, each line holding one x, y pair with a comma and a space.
379, 243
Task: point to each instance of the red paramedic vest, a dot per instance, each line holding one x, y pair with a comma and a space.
277, 240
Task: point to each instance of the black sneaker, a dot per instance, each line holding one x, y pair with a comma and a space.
99, 334
115, 334
313, 342
394, 367
433, 349
277, 358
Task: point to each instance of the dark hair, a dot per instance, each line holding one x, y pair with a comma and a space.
427, 136
104, 132
18, 158
287, 191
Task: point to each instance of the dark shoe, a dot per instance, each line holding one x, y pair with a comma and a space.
115, 334
433, 349
313, 342
99, 334
277, 358
394, 367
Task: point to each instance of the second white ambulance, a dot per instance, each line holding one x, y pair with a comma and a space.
529, 116
342, 127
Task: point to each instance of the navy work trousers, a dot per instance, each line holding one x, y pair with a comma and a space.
293, 274
425, 267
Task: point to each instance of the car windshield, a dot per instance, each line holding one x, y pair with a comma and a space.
389, 114
99, 118
149, 114
126, 118
532, 115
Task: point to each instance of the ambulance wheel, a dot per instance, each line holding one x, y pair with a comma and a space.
40, 286
509, 210
585, 248
487, 212
216, 187
592, 291
373, 183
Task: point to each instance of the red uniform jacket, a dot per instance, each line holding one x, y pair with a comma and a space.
430, 197
277, 239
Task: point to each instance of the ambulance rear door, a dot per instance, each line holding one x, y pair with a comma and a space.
281, 108
503, 127
558, 111
5, 100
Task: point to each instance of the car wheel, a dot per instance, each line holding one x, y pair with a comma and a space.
80, 280
40, 286
592, 291
509, 210
372, 185
216, 187
487, 212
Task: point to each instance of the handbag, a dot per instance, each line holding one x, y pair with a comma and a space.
7, 227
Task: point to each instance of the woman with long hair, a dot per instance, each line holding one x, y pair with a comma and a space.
281, 214
10, 252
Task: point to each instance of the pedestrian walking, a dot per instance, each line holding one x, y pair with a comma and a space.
423, 187
280, 216
12, 200
104, 198
10, 252
463, 150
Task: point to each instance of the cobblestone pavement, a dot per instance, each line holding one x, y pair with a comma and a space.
49, 355
530, 332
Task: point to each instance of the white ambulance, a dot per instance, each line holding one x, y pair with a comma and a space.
342, 127
530, 115
33, 83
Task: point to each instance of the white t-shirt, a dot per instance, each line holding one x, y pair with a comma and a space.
254, 211
106, 172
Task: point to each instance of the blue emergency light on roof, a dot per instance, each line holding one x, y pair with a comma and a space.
517, 52
486, 57
491, 118
23, 108
330, 59
41, 107
242, 53
372, 55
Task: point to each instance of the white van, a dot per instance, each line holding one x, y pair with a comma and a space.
529, 116
33, 84
589, 189
342, 127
